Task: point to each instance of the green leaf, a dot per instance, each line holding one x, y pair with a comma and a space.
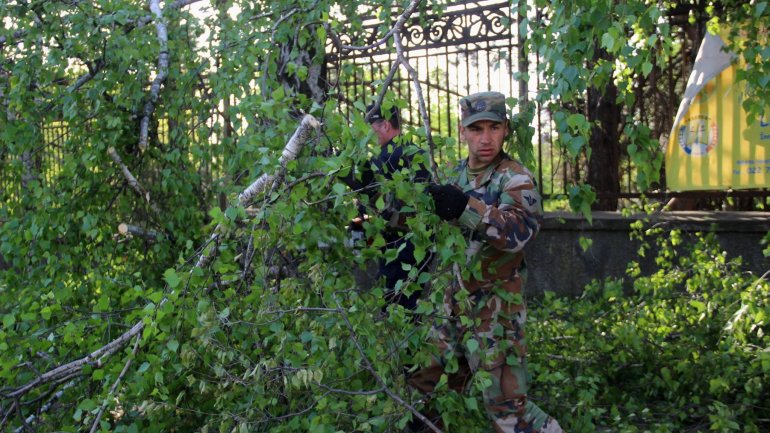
585, 243
172, 345
646, 68
8, 320
471, 403
472, 345
87, 405
608, 42
171, 278
278, 94
759, 10
144, 367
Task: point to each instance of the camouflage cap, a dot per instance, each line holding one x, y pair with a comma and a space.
483, 106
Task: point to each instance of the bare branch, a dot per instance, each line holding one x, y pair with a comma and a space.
400, 21
95, 358
114, 387
385, 85
400, 53
346, 392
132, 182
204, 258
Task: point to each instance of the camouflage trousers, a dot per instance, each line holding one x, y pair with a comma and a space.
494, 343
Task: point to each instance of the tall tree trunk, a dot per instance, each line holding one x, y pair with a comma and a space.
310, 55
604, 162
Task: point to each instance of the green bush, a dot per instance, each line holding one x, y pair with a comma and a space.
682, 349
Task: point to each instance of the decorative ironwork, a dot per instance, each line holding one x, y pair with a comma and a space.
458, 25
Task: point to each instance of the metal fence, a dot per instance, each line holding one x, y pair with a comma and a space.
465, 48
41, 164
468, 47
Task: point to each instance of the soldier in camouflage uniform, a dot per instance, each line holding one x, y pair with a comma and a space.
495, 200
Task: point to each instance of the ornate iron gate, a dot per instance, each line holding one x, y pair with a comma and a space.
467, 47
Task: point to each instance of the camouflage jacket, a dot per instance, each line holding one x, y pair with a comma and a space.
502, 216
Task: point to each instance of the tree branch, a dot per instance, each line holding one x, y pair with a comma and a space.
295, 144
400, 52
96, 358
128, 229
395, 33
114, 387
132, 182
290, 151
368, 366
149, 106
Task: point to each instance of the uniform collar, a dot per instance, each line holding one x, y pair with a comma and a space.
486, 175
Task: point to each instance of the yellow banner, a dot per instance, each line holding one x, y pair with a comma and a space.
711, 146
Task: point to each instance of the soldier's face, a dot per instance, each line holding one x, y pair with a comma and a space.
485, 141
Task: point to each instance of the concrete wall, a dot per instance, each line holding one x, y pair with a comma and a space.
556, 261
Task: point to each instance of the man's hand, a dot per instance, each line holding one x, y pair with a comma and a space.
450, 201
367, 177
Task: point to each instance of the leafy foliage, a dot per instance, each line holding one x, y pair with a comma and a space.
681, 349
277, 333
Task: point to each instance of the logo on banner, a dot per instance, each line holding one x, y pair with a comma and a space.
698, 136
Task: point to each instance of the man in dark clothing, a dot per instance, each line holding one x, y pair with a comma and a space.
392, 158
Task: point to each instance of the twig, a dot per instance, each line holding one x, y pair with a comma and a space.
421, 101
396, 27
115, 385
249, 254
384, 88
368, 366
204, 259
346, 392
763, 277
7, 413
132, 182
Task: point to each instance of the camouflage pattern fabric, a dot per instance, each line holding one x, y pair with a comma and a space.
502, 216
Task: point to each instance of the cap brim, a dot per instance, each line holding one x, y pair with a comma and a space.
484, 115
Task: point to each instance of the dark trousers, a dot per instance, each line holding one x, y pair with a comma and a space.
394, 271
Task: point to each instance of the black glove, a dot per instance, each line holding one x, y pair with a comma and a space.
367, 177
450, 201
367, 174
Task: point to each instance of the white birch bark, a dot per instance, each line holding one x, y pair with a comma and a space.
95, 358
149, 106
293, 147
301, 136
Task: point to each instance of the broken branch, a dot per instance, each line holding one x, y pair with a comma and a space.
132, 182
